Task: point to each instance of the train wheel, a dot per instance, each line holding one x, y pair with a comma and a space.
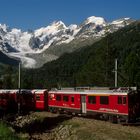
113, 119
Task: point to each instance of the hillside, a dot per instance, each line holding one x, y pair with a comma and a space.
4, 59
93, 65
8, 72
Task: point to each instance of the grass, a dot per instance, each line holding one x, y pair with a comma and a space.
6, 133
74, 124
88, 129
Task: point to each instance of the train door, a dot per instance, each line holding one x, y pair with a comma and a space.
45, 100
83, 104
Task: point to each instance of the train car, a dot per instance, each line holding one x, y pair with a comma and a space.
12, 101
41, 99
26, 101
108, 104
120, 104
64, 101
115, 105
8, 101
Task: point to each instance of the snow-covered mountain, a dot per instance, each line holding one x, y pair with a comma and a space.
31, 46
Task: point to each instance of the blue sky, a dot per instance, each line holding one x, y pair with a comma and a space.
32, 14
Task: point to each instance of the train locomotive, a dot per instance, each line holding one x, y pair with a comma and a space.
116, 105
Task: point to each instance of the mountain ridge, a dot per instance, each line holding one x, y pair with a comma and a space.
52, 39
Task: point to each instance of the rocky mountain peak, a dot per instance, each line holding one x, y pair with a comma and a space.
95, 20
3, 27
58, 25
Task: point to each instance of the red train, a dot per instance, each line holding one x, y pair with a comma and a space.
114, 104
40, 99
12, 100
8, 101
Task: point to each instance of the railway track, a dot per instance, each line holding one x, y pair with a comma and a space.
131, 124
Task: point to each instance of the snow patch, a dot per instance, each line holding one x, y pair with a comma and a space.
4, 27
73, 27
27, 62
95, 20
51, 29
19, 40
47, 45
119, 21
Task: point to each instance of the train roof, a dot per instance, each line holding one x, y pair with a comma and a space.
92, 92
15, 91
9, 91
39, 91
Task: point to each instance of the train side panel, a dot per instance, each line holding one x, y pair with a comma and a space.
41, 99
64, 102
26, 100
108, 104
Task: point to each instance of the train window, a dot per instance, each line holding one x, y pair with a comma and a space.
65, 98
58, 97
119, 99
37, 97
124, 100
104, 100
72, 99
92, 99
